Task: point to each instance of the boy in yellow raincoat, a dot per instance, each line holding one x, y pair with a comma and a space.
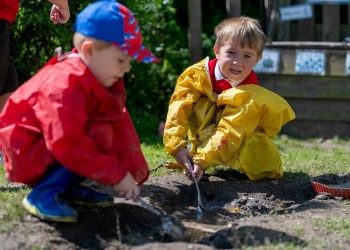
220, 111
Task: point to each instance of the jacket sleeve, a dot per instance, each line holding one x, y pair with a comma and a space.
247, 108
179, 111
63, 117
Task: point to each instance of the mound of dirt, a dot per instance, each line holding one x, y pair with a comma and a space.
237, 213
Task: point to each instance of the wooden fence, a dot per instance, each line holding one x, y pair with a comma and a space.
321, 102
329, 23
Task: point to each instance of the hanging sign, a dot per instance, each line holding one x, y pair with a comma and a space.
312, 62
270, 62
295, 12
328, 1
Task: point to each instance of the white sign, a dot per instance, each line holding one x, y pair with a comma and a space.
295, 12
347, 64
270, 62
329, 1
310, 62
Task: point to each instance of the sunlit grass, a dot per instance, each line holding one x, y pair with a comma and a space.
11, 196
335, 226
300, 158
155, 155
313, 157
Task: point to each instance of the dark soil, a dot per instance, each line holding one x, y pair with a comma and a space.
238, 213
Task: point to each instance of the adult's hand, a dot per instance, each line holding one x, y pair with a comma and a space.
60, 12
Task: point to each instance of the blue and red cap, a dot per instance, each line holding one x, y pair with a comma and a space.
112, 22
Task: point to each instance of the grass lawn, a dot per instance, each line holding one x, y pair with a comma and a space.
300, 158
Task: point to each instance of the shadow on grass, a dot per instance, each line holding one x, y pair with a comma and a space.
228, 173
13, 188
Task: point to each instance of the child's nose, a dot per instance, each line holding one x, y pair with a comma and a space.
236, 60
126, 68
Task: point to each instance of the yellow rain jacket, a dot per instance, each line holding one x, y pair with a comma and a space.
233, 128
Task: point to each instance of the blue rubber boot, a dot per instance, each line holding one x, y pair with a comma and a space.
85, 196
45, 200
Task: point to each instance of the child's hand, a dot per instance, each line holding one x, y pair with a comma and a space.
127, 188
59, 15
197, 172
182, 156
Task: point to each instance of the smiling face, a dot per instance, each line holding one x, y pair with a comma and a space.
236, 62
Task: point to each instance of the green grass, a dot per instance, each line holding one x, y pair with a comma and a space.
335, 226
313, 157
301, 159
11, 196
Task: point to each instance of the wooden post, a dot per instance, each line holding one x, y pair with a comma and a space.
263, 15
233, 8
195, 30
271, 18
331, 23
348, 29
306, 30
306, 27
283, 28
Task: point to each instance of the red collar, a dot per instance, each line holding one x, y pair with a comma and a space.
221, 85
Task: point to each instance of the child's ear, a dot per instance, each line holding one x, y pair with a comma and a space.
87, 50
258, 60
216, 51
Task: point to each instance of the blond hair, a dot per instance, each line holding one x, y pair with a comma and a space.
245, 30
79, 39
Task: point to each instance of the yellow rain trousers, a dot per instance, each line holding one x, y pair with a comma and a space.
232, 129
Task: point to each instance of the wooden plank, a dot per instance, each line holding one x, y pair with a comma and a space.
309, 45
307, 87
348, 30
331, 23
336, 63
288, 62
321, 110
306, 28
271, 18
318, 129
233, 8
318, 30
195, 30
283, 28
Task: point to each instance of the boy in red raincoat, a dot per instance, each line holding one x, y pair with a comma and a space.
69, 122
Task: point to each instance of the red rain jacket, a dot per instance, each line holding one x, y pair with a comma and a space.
9, 9
64, 114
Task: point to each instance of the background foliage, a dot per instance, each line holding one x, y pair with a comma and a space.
164, 27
